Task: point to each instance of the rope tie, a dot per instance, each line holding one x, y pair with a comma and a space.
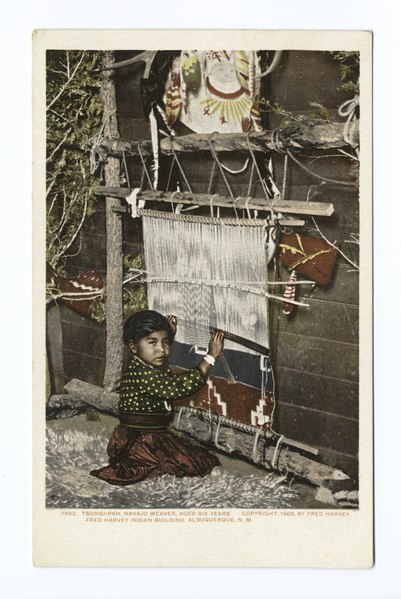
262, 182
240, 426
237, 219
171, 200
170, 174
251, 180
236, 172
180, 411
348, 109
216, 436
246, 206
211, 204
182, 171
145, 167
216, 159
142, 178
274, 462
285, 173
255, 444
126, 169
211, 180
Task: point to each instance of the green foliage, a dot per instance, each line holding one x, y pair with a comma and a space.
349, 70
349, 75
134, 295
289, 119
74, 114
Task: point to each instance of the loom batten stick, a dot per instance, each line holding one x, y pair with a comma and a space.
242, 341
222, 201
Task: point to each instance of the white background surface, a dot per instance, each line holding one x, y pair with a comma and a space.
20, 580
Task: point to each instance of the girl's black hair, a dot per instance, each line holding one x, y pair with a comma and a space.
144, 323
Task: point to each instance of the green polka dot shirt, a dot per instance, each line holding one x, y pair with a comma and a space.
147, 390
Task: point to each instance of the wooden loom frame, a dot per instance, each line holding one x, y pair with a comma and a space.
320, 136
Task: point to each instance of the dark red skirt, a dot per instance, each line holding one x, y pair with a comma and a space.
135, 455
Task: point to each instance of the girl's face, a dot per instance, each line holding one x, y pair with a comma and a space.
154, 349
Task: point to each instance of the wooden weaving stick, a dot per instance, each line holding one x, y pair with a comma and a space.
245, 342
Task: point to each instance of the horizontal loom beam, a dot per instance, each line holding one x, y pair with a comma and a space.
301, 136
217, 200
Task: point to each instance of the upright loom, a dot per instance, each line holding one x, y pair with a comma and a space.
211, 273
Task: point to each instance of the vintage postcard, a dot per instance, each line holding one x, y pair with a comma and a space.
202, 298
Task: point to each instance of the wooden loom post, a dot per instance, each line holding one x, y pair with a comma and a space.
114, 239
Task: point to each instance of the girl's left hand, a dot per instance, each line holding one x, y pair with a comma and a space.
172, 320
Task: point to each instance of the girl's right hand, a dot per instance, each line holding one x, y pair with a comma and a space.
172, 320
216, 344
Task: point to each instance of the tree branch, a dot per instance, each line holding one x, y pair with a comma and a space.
67, 245
70, 78
59, 145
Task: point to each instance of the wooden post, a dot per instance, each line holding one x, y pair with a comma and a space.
54, 347
114, 237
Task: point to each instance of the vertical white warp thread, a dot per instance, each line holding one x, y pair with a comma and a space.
193, 251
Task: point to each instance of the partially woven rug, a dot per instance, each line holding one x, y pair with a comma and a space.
71, 454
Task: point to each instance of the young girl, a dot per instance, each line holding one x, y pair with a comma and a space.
140, 446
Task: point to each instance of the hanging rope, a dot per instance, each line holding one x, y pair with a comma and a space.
255, 444
126, 170
182, 172
169, 175
262, 181
349, 110
145, 167
211, 205
250, 185
274, 462
285, 173
172, 203
216, 436
216, 159
236, 172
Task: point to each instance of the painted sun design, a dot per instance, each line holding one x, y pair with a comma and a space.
230, 110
